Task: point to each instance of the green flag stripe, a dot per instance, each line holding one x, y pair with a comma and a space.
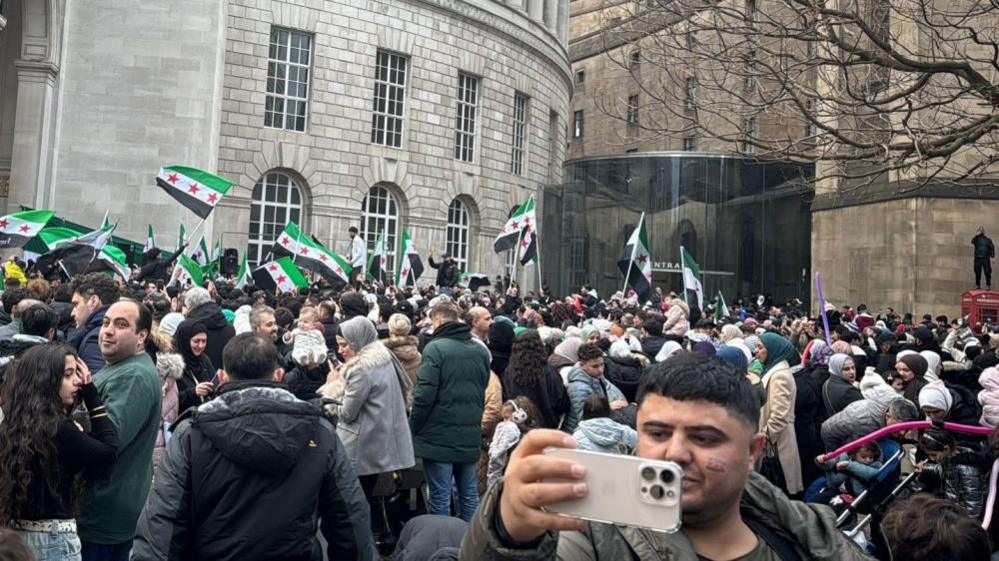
213, 182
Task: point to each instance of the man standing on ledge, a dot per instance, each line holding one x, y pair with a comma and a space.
985, 251
358, 256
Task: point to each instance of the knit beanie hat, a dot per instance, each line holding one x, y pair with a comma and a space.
309, 349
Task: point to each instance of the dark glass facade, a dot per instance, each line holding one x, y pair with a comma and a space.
747, 223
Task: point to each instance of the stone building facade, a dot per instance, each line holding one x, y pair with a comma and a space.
329, 113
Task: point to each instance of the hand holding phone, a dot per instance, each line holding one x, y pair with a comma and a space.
525, 494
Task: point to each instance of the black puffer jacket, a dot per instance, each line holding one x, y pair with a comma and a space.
219, 330
625, 373
961, 479
248, 477
303, 382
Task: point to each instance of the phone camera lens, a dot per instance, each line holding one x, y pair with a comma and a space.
657, 492
667, 476
648, 474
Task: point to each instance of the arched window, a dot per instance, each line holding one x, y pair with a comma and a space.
380, 215
277, 199
457, 233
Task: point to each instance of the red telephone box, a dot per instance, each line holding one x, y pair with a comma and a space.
980, 306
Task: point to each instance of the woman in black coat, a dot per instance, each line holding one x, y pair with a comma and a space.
839, 391
195, 386
528, 375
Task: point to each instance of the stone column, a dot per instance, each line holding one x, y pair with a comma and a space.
31, 161
551, 15
535, 9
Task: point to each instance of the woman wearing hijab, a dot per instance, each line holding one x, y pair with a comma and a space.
371, 418
500, 344
194, 386
839, 390
911, 373
565, 356
777, 418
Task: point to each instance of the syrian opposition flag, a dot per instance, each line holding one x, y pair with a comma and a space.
200, 254
528, 245
197, 190
17, 229
378, 262
187, 269
410, 264
721, 309
76, 254
475, 281
308, 253
150, 240
281, 275
243, 276
508, 236
636, 261
693, 290
181, 234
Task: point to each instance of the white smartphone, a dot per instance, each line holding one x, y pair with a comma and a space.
624, 490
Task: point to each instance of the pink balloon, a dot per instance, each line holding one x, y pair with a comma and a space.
901, 427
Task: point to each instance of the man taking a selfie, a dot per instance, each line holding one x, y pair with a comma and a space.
699, 412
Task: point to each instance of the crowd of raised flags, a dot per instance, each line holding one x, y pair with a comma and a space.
76, 251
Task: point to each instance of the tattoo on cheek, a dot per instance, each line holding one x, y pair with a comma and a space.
717, 464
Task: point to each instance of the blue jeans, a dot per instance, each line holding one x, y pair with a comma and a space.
439, 477
107, 552
52, 546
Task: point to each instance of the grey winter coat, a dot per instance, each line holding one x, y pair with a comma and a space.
581, 386
811, 527
371, 421
605, 435
860, 417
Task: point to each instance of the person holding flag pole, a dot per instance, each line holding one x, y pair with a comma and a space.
636, 262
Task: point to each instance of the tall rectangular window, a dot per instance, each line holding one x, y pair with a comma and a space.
632, 111
690, 97
389, 99
749, 135
577, 124
288, 65
464, 126
689, 143
519, 133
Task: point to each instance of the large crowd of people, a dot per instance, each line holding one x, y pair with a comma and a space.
157, 422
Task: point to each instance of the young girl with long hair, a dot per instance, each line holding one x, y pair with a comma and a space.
44, 452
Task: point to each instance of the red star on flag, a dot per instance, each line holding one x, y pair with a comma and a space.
4, 224
193, 189
525, 243
285, 242
213, 198
323, 258
642, 258
173, 179
305, 250
281, 279
25, 228
516, 225
273, 267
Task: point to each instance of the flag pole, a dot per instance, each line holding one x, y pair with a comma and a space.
634, 248
537, 240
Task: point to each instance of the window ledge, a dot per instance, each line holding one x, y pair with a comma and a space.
469, 168
389, 152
